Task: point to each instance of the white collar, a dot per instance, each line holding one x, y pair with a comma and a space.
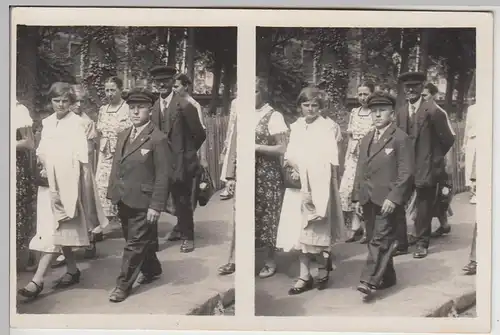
141, 128
416, 104
382, 131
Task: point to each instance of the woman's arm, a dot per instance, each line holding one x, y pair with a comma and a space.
27, 142
273, 150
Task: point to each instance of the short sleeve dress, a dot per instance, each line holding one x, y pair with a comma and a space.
268, 178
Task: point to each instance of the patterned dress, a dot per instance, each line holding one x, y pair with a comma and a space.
359, 126
269, 187
25, 194
109, 124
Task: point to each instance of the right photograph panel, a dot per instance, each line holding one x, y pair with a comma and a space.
364, 171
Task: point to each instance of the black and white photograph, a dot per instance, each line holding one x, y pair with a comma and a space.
125, 169
365, 172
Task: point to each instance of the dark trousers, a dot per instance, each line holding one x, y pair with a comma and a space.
401, 230
139, 254
379, 267
426, 201
472, 256
182, 194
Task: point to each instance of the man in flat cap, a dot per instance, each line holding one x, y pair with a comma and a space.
432, 138
138, 185
179, 120
382, 186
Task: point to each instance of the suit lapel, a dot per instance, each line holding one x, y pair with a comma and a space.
419, 118
382, 142
403, 118
156, 115
121, 142
172, 112
139, 141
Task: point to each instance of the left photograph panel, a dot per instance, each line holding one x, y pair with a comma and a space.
125, 166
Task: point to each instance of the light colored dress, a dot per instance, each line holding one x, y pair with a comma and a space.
109, 125
227, 142
359, 126
470, 142
307, 149
95, 213
63, 151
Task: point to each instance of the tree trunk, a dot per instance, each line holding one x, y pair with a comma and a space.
363, 56
450, 86
405, 62
216, 85
464, 80
227, 81
424, 50
28, 39
172, 48
190, 50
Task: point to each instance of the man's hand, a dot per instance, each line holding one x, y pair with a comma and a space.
387, 207
358, 209
295, 175
204, 163
152, 216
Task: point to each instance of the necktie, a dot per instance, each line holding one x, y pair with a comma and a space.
412, 108
133, 134
377, 135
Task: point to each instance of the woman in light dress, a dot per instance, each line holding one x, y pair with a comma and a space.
61, 215
469, 149
270, 145
311, 218
360, 123
112, 119
96, 218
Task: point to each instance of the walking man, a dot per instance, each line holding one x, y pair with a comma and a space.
139, 186
179, 120
383, 182
432, 138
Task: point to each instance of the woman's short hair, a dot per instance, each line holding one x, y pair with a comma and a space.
368, 84
59, 89
115, 80
184, 79
311, 93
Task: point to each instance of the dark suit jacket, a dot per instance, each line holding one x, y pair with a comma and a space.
185, 135
432, 139
388, 173
231, 161
139, 174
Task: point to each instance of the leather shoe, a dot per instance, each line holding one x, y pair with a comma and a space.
118, 295
421, 252
187, 246
441, 231
366, 289
147, 278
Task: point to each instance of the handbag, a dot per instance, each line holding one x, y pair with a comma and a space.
206, 188
39, 179
288, 180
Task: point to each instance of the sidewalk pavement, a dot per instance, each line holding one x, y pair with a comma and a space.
423, 285
187, 283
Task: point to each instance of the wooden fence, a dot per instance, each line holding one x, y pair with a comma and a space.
214, 144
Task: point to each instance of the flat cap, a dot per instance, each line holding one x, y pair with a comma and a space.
163, 72
412, 77
378, 98
139, 95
